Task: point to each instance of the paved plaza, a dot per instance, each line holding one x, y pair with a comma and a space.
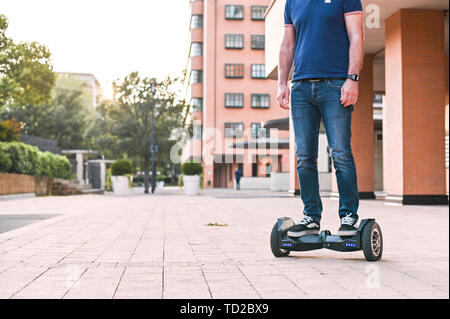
212, 246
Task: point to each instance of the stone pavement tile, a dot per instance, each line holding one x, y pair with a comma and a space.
276, 286
140, 283
52, 284
98, 283
16, 278
185, 282
230, 285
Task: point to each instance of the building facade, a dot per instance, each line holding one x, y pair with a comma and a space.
230, 95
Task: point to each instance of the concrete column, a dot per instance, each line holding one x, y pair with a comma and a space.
362, 135
80, 168
414, 122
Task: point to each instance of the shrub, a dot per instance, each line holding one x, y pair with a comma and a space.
191, 168
122, 167
160, 178
9, 130
5, 160
20, 158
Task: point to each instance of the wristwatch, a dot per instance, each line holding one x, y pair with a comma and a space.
353, 77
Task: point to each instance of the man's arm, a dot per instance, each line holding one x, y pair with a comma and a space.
287, 51
355, 30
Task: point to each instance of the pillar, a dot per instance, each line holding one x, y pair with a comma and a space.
414, 114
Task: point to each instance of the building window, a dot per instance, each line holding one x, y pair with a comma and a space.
196, 49
258, 71
196, 104
197, 132
234, 129
234, 71
234, 41
197, 76
233, 12
258, 42
258, 131
234, 100
261, 101
196, 21
258, 12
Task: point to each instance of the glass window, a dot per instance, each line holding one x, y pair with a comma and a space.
258, 131
234, 100
197, 76
234, 129
261, 101
258, 12
196, 104
197, 132
258, 42
196, 49
235, 71
233, 12
196, 21
258, 71
234, 41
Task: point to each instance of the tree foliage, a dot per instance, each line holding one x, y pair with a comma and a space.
26, 75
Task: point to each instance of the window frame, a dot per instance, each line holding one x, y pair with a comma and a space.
255, 10
200, 76
234, 41
260, 95
235, 98
254, 41
263, 129
199, 49
234, 76
199, 18
197, 107
234, 128
254, 73
229, 6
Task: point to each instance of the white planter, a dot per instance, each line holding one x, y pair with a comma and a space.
120, 185
191, 184
160, 184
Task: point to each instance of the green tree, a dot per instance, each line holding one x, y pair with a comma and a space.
65, 119
26, 75
130, 120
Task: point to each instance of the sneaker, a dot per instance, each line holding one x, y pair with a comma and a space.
307, 226
347, 226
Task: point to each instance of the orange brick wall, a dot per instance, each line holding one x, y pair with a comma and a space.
11, 184
414, 159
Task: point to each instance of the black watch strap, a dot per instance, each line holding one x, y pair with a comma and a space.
354, 77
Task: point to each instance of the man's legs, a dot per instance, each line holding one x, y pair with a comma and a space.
306, 122
337, 121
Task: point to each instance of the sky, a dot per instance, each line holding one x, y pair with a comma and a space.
108, 38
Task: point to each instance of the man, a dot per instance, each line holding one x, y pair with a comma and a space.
238, 175
325, 41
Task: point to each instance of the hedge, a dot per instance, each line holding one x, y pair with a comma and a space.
21, 158
122, 167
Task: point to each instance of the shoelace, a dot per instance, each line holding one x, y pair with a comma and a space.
305, 220
347, 220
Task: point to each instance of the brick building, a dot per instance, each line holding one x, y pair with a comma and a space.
230, 95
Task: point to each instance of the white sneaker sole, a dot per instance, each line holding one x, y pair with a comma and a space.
303, 233
347, 233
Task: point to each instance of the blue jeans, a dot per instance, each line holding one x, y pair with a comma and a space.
312, 102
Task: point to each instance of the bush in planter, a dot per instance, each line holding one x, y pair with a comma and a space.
191, 168
122, 167
160, 178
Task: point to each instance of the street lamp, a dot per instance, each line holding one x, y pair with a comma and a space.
153, 147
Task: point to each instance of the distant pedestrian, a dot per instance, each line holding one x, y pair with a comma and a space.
238, 175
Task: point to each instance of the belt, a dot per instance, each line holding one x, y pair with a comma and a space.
318, 80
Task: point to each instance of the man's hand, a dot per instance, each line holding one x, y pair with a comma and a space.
283, 96
349, 93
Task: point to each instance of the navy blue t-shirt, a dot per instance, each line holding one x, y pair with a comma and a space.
322, 44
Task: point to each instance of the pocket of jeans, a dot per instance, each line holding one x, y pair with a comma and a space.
335, 83
295, 85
